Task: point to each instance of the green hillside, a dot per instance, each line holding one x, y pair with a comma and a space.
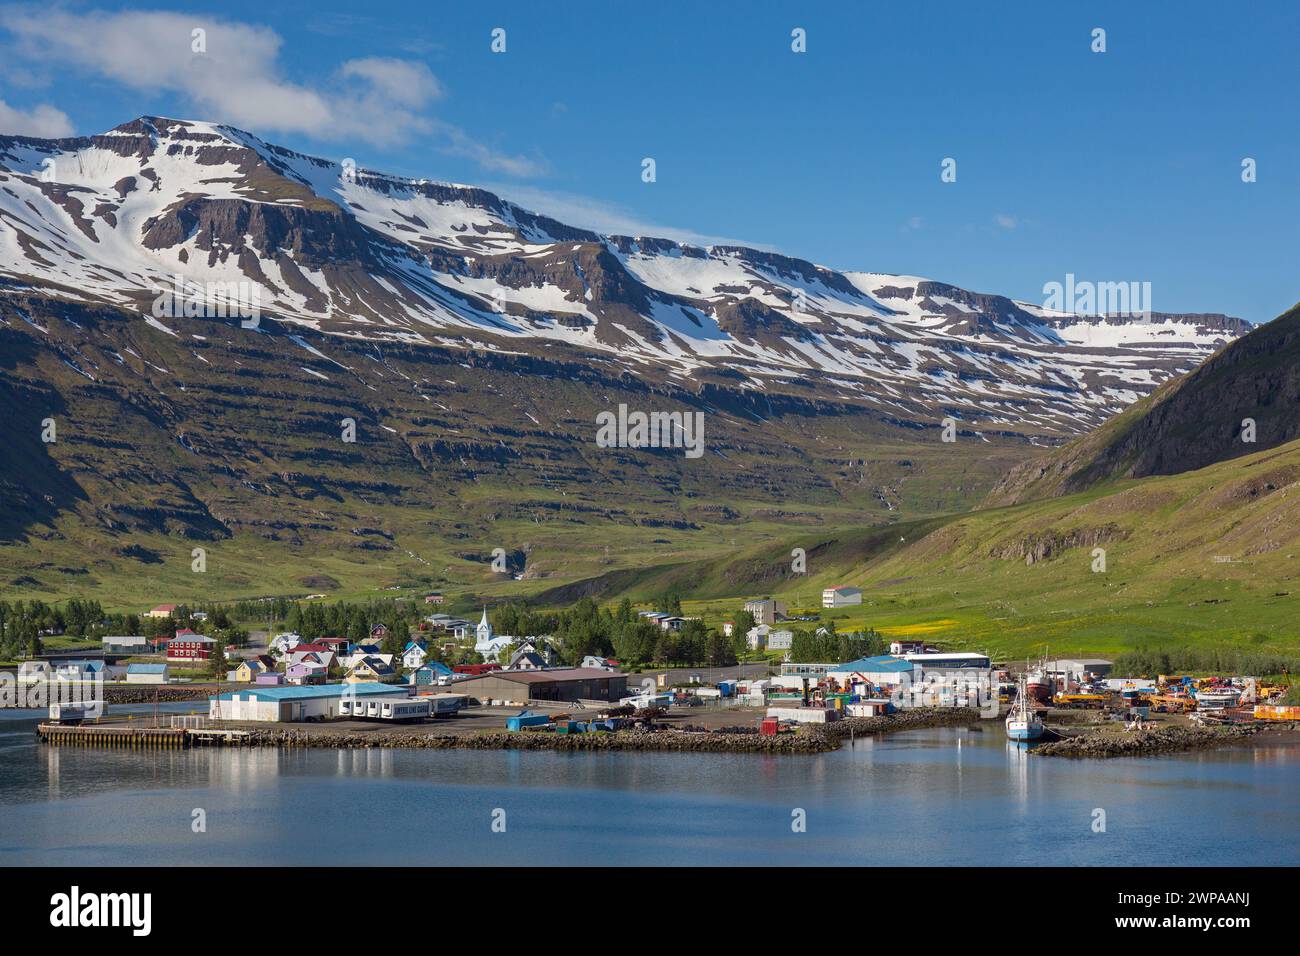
1202, 559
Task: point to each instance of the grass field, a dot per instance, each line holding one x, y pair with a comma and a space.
1197, 560
1202, 559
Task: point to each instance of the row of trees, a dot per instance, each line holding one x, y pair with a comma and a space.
1201, 660
586, 628
826, 646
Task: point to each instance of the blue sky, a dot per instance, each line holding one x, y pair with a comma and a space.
1115, 166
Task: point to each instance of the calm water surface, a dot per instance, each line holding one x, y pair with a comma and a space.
943, 796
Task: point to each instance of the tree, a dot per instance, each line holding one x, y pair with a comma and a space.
217, 660
721, 653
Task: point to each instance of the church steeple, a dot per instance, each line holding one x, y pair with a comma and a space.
483, 632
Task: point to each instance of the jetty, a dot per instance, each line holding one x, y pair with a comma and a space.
126, 737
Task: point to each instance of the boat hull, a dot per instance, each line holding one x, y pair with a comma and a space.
1021, 730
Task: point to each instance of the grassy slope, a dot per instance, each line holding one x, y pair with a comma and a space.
963, 581
457, 454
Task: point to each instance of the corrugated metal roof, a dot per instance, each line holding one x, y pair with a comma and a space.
315, 691
882, 664
146, 668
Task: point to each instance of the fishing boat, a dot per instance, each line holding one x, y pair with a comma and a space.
1217, 698
1038, 684
1023, 722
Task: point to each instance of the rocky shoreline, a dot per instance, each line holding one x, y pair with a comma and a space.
810, 739
148, 693
1144, 743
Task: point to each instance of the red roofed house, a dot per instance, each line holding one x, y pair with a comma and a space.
314, 648
162, 610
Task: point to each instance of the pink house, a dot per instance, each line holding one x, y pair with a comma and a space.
305, 672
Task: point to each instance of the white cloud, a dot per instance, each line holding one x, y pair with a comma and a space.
42, 121
236, 77
459, 144
1004, 221
404, 82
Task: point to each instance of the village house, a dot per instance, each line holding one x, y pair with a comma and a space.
32, 672
415, 654
431, 674
318, 656
147, 674
434, 598
308, 670
457, 627
281, 643
370, 670
766, 610
247, 671
81, 671
189, 646
526, 661
594, 662
898, 648
540, 646
780, 640
162, 610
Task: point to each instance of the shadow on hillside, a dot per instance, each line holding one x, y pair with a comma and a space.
33, 488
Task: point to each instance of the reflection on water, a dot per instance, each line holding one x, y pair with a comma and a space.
924, 797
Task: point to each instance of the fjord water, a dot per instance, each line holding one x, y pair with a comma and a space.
928, 797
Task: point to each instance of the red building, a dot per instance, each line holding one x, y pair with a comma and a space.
188, 645
477, 670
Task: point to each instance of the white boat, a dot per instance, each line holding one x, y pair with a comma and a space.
1219, 698
1023, 722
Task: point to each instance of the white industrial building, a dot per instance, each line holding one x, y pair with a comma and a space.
952, 680
879, 672
949, 664
126, 644
842, 596
276, 704
1066, 671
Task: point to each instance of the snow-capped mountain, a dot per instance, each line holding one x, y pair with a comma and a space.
113, 219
